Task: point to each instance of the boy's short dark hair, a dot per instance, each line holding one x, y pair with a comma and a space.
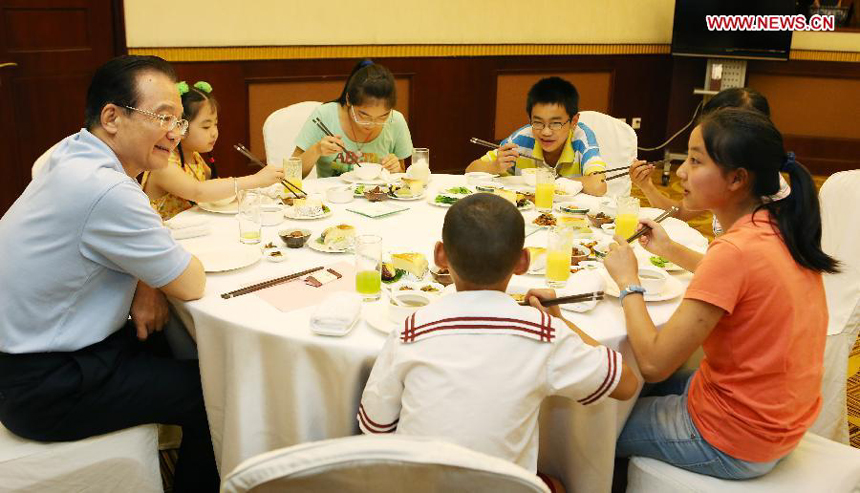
553, 90
116, 82
483, 237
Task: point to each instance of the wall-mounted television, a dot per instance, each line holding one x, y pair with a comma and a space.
691, 37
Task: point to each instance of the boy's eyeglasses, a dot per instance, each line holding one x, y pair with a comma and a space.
167, 122
370, 123
552, 125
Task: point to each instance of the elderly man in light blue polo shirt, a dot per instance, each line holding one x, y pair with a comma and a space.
81, 249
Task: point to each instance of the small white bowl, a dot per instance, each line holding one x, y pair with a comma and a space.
368, 171
652, 279
339, 194
272, 214
276, 254
413, 299
529, 177
475, 177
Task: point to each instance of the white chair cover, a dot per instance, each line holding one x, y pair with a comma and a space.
841, 239
817, 464
617, 141
41, 160
379, 464
281, 129
125, 460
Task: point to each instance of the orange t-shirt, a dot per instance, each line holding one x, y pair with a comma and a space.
758, 387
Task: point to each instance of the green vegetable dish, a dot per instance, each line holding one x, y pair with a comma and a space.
459, 190
659, 262
444, 199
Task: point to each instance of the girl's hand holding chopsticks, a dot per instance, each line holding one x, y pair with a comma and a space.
621, 263
330, 144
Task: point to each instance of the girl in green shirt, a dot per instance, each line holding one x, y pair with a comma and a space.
363, 120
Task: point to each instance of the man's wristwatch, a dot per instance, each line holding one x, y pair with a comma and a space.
633, 288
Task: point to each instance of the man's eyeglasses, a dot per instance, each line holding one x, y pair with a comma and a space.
167, 122
552, 125
368, 123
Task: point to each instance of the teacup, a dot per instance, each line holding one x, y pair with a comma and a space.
410, 301
652, 279
339, 195
272, 214
368, 171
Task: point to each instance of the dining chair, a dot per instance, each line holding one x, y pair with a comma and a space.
281, 129
841, 240
41, 160
817, 464
381, 464
125, 460
617, 141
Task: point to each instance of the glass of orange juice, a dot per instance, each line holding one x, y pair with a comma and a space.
544, 189
559, 246
293, 172
627, 216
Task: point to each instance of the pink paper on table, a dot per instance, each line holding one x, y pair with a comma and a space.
296, 294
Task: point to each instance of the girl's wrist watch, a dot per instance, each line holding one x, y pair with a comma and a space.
633, 288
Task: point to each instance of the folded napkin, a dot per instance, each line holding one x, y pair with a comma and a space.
568, 186
584, 281
337, 314
190, 232
186, 222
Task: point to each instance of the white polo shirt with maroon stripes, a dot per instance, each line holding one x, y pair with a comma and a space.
473, 368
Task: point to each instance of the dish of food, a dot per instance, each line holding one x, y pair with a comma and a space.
376, 194
663, 263
414, 264
403, 192
457, 191
352, 177
295, 238
545, 219
336, 239
292, 213
444, 200
599, 219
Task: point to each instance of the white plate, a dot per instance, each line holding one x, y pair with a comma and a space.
228, 257
351, 177
376, 316
313, 244
431, 199
229, 208
671, 290
290, 213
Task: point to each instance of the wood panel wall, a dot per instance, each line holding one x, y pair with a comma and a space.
448, 100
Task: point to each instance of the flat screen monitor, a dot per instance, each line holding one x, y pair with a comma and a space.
691, 36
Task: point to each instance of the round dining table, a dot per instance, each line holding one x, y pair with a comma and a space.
270, 382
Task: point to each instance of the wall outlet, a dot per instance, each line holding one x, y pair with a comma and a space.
636, 122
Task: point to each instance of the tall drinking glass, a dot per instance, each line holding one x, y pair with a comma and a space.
420, 157
627, 216
559, 247
250, 215
544, 189
293, 172
368, 266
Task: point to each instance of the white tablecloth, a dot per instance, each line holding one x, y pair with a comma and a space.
269, 382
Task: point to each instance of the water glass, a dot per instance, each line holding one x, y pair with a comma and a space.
627, 216
544, 189
250, 215
421, 157
368, 266
558, 251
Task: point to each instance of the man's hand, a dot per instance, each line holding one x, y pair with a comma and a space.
506, 158
148, 310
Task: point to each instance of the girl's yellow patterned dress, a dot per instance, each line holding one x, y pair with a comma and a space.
169, 205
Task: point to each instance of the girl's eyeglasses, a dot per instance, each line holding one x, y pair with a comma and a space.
366, 123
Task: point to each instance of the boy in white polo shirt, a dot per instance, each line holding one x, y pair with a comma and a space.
474, 366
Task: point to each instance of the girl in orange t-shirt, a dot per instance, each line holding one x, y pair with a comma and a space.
756, 305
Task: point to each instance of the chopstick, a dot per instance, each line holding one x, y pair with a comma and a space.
574, 298
351, 155
245, 152
493, 145
268, 284
608, 178
657, 219
611, 170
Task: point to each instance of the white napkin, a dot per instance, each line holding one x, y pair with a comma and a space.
568, 186
191, 232
337, 314
186, 222
584, 281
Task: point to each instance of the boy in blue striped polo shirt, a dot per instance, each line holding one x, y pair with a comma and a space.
554, 135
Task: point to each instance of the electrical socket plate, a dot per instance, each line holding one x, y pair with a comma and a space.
636, 122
